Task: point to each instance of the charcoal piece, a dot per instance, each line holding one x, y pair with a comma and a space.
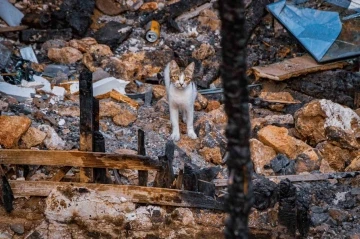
287, 206
209, 77
39, 21
190, 178
265, 193
6, 194
113, 34
303, 163
318, 218
303, 200
34, 35
282, 165
207, 188
75, 14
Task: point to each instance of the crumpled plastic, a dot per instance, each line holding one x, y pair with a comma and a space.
328, 31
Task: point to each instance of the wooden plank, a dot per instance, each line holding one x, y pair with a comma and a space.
143, 175
60, 174
300, 178
136, 194
13, 29
77, 159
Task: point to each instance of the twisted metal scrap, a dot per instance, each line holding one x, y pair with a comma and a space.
233, 72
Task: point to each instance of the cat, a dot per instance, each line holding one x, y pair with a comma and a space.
181, 94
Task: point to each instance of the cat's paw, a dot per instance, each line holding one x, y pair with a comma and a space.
192, 134
175, 136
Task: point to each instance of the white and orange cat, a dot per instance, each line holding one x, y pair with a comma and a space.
181, 95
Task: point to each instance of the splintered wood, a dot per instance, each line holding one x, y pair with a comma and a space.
136, 194
293, 67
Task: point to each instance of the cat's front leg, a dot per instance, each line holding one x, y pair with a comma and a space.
190, 122
174, 118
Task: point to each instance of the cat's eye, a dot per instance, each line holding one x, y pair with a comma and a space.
187, 79
174, 78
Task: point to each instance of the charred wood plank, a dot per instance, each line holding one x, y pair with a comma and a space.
136, 194
34, 35
86, 121
12, 29
143, 175
233, 72
165, 177
77, 159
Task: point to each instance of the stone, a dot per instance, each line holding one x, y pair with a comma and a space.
82, 45
319, 218
3, 106
212, 105
338, 215
17, 228
197, 106
125, 118
159, 91
65, 55
21, 94
205, 50
210, 19
108, 84
162, 106
52, 140
116, 95
11, 130
33, 137
113, 34
111, 7
278, 97
100, 50
354, 165
282, 165
325, 167
218, 116
109, 109
149, 7
71, 111
278, 139
203, 101
304, 164
125, 151
212, 155
347, 139
278, 120
312, 120
59, 92
336, 157
261, 155
56, 43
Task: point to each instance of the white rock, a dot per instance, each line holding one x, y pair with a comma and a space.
46, 84
52, 140
108, 84
19, 93
61, 122
59, 92
74, 88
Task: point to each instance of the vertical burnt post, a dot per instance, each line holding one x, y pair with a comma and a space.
86, 121
143, 175
233, 73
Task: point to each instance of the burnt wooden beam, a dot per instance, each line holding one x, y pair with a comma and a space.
12, 29
165, 177
86, 121
179, 180
77, 159
236, 95
143, 175
35, 35
136, 194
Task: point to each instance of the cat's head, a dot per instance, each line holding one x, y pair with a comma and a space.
181, 79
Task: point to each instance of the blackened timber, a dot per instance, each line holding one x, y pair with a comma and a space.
233, 72
165, 177
136, 194
34, 35
86, 120
77, 159
143, 175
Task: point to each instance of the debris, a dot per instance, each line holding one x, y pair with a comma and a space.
261, 155
193, 13
210, 19
312, 120
52, 140
265, 193
354, 166
212, 155
17, 228
112, 34
33, 137
331, 31
203, 52
99, 74
27, 53
293, 67
19, 93
35, 35
10, 14
13, 29
336, 157
38, 21
110, 7
212, 105
125, 118
59, 92
66, 55
53, 70
159, 91
13, 127
152, 31
83, 44
6, 193
282, 165
278, 138
278, 97
5, 54
149, 6
106, 85
116, 95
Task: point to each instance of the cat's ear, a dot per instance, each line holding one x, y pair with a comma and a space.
189, 70
174, 66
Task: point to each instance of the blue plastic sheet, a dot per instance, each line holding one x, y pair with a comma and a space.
326, 31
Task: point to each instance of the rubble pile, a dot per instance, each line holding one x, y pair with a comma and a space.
305, 119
